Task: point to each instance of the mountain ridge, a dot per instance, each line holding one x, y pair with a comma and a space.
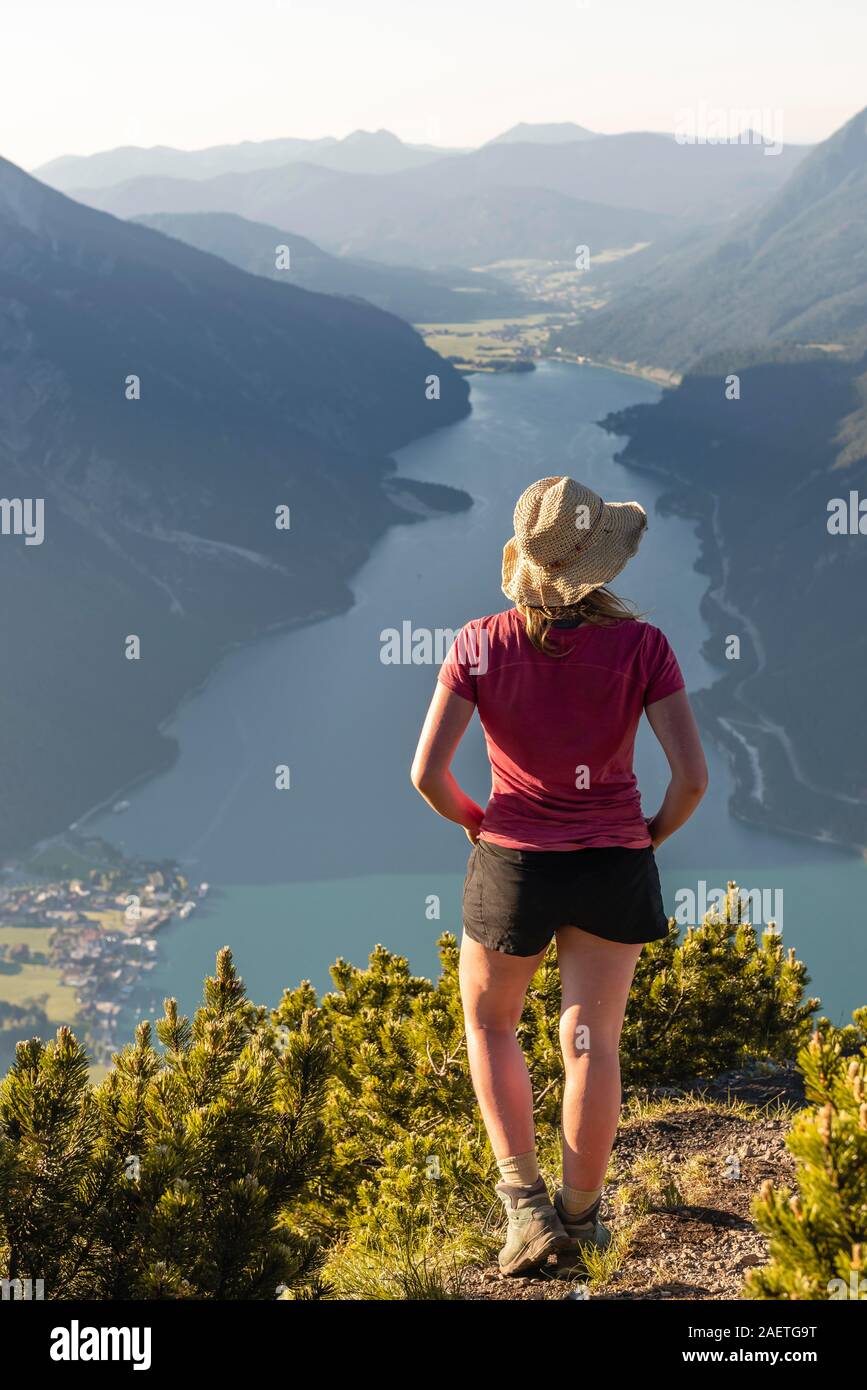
416, 295
759, 469
361, 151
793, 270
504, 201
160, 509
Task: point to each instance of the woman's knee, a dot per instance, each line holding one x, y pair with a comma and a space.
589, 1044
487, 1013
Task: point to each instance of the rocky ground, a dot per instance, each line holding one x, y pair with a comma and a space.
685, 1169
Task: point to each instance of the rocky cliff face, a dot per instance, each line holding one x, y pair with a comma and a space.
163, 405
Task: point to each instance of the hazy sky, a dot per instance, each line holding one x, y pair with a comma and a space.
83, 75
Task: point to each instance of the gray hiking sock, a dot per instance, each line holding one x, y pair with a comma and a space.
518, 1196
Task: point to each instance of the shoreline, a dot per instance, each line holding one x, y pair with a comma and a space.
413, 512
659, 376
714, 717
104, 916
121, 792
527, 343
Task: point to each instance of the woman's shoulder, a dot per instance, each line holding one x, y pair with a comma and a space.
652, 635
632, 643
633, 633
637, 629
509, 620
500, 632
640, 637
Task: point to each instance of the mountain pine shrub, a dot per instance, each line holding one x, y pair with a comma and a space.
818, 1235
172, 1178
332, 1147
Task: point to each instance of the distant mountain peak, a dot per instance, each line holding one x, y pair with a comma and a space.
362, 151
551, 133
381, 137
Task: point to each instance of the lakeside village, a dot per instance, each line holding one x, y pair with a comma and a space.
102, 925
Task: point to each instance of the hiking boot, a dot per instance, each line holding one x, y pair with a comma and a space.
535, 1230
587, 1233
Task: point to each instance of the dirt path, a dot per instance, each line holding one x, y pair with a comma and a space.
683, 1178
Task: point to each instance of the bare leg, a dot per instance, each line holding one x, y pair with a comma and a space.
595, 978
493, 986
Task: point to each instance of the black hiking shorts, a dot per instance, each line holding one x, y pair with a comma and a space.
516, 899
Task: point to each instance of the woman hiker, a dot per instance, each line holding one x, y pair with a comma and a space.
562, 848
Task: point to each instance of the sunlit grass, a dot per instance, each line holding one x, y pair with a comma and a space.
40, 983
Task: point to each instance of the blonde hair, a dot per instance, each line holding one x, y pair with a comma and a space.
600, 607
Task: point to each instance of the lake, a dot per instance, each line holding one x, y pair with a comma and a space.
349, 855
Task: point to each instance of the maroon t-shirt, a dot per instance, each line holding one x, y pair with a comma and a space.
560, 730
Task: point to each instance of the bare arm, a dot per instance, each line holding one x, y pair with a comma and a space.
444, 727
673, 722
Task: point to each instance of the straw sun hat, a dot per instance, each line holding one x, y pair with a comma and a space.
567, 542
